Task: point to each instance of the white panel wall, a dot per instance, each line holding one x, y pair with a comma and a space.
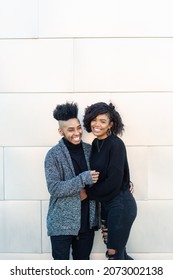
160, 173
20, 227
138, 160
46, 246
54, 51
1, 173
19, 18
23, 173
147, 117
123, 64
29, 119
37, 65
156, 231
105, 18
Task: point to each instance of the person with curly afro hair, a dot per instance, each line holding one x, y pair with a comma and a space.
112, 190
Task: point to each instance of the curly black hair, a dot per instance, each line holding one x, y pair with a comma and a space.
91, 112
65, 111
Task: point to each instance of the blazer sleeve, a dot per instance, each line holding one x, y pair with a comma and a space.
57, 185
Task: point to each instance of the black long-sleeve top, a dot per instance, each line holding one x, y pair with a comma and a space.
80, 165
109, 157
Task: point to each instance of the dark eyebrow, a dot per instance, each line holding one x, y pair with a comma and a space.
103, 119
72, 127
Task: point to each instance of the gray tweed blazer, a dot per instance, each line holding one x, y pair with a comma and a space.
64, 186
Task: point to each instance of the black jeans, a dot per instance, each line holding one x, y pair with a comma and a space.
81, 246
119, 214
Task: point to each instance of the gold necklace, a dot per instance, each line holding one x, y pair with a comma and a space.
101, 145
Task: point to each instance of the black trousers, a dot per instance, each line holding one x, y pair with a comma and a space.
81, 246
119, 215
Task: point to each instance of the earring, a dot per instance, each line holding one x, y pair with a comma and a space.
109, 132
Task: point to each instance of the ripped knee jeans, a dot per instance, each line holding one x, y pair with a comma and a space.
118, 216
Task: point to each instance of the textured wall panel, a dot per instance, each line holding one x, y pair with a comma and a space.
105, 18
46, 245
160, 175
147, 117
36, 65
24, 173
20, 230
152, 231
19, 19
1, 174
27, 119
121, 64
138, 165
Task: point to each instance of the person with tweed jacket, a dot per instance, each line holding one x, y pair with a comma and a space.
72, 218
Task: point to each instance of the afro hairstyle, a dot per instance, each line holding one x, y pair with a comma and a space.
66, 111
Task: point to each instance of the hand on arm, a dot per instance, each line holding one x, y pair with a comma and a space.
58, 185
95, 175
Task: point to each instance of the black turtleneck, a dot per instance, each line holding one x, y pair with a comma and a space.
80, 165
77, 156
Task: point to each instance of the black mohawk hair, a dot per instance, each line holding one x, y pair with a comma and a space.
66, 111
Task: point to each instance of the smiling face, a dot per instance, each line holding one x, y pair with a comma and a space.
100, 126
71, 130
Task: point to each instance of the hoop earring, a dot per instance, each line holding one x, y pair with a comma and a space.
109, 132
